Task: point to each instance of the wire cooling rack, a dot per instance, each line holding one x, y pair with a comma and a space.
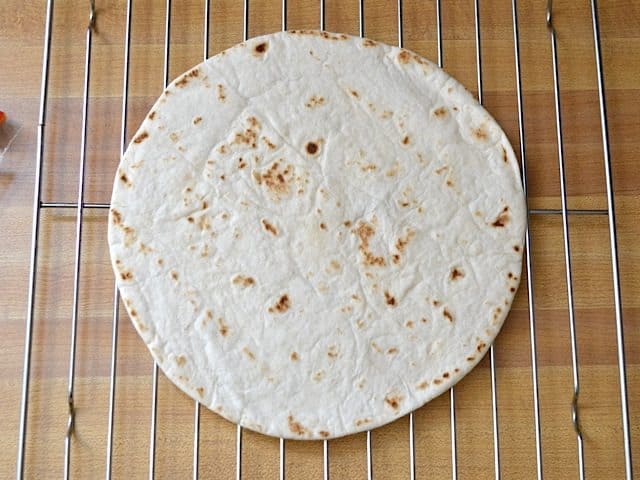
80, 208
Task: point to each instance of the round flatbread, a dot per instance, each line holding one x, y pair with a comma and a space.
316, 233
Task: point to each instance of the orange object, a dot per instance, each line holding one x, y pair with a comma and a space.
3, 117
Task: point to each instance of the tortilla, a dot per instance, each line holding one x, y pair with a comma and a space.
316, 234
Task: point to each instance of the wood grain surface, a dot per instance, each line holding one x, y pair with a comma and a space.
21, 40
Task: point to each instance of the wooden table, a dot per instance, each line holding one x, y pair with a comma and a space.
21, 40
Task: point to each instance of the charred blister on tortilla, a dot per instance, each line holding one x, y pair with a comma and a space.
260, 49
456, 274
502, 219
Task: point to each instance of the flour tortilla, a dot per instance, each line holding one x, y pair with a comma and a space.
316, 234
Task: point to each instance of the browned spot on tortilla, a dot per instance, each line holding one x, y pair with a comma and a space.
197, 120
509, 275
243, 281
270, 145
481, 346
174, 275
126, 275
456, 370
151, 115
332, 352
294, 356
370, 167
449, 183
222, 96
116, 217
223, 328
181, 360
323, 433
260, 49
269, 228
319, 375
133, 312
516, 248
471, 358
282, 305
347, 223
323, 226
447, 314
376, 347
141, 137
209, 314
392, 351
203, 223
504, 155
183, 81
354, 93
160, 261
334, 264
456, 273
422, 385
248, 353
408, 324
190, 219
200, 391
405, 140
437, 381
435, 303
440, 112
129, 235
445, 375
502, 219
296, 427
404, 57
312, 148
276, 179
317, 33
442, 169
174, 137
314, 101
393, 401
390, 299
480, 133
404, 204
512, 289
124, 179
362, 421
395, 258
143, 248
367, 42
402, 242
365, 231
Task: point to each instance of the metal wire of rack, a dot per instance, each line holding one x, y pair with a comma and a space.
564, 212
